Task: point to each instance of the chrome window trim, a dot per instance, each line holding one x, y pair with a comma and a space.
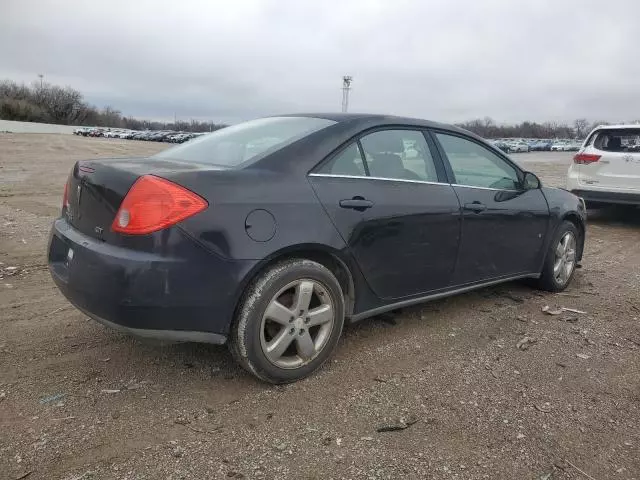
365, 177
426, 182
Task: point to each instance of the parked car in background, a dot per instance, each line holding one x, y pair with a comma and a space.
535, 146
517, 147
502, 145
341, 224
179, 138
141, 135
541, 146
160, 136
574, 146
606, 170
85, 132
546, 145
560, 146
149, 135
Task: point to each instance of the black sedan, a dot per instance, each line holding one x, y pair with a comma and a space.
270, 234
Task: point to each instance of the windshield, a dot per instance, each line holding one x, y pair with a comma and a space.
232, 146
618, 140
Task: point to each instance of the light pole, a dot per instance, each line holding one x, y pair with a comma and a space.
346, 86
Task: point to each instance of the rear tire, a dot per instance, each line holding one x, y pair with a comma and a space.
561, 259
289, 321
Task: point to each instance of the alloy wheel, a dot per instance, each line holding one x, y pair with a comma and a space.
565, 258
297, 324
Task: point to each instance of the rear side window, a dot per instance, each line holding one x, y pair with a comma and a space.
618, 140
347, 162
399, 154
232, 146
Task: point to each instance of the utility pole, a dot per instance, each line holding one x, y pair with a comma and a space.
346, 87
41, 77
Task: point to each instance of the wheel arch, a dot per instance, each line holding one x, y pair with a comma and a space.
329, 257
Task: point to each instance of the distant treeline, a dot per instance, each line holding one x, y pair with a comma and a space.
49, 103
487, 128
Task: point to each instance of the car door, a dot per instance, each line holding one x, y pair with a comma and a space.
390, 202
503, 224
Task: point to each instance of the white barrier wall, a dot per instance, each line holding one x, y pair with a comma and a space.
31, 127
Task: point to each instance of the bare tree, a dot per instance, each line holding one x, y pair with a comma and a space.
487, 129
21, 110
61, 104
110, 117
43, 102
581, 126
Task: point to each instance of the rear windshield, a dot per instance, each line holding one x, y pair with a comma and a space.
614, 140
232, 146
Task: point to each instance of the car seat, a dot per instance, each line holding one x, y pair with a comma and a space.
386, 148
614, 144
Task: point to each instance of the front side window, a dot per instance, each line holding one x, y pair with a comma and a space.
477, 166
232, 146
399, 154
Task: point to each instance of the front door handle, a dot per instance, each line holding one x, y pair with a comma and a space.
356, 203
475, 207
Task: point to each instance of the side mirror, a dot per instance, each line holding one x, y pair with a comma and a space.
530, 181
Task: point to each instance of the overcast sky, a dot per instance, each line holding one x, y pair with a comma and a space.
446, 60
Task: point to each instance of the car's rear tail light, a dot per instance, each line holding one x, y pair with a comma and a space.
154, 203
65, 195
585, 158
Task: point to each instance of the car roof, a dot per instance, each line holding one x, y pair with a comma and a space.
344, 117
635, 126
382, 119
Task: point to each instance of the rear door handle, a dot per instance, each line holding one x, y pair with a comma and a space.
356, 203
475, 207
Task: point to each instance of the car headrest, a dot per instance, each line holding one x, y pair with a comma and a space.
614, 143
386, 165
383, 142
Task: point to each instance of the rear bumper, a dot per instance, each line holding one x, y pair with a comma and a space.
187, 297
608, 197
172, 335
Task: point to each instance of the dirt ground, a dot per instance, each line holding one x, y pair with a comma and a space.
79, 401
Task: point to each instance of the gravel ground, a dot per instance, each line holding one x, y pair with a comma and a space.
80, 401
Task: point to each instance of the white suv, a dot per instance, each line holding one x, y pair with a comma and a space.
607, 167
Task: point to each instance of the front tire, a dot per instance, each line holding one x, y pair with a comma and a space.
289, 321
561, 259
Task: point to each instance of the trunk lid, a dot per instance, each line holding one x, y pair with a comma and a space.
96, 189
614, 171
